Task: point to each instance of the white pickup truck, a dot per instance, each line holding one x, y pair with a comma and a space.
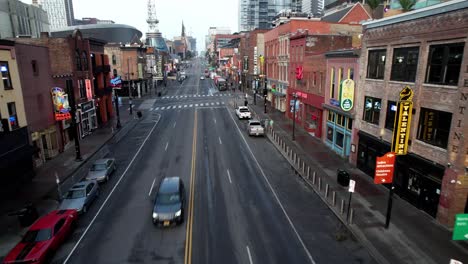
243, 112
255, 128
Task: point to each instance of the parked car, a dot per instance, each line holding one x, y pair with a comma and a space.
202, 77
80, 196
255, 128
170, 202
243, 112
43, 238
101, 170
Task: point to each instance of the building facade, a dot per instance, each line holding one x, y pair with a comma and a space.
313, 7
407, 51
16, 162
20, 19
60, 13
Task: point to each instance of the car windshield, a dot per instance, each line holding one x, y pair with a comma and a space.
254, 123
75, 194
167, 198
98, 167
244, 110
37, 235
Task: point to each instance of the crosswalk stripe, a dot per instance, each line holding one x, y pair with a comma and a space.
196, 104
151, 109
191, 105
185, 106
173, 107
212, 103
222, 102
157, 108
162, 108
201, 104
217, 103
180, 106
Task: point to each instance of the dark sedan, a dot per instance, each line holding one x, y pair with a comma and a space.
169, 204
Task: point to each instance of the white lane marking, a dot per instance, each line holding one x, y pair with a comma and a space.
151, 189
157, 108
162, 108
180, 106
274, 193
151, 109
167, 144
229, 176
219, 138
214, 120
174, 106
250, 256
174, 124
222, 102
185, 106
110, 194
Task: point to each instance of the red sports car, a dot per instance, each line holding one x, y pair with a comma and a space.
43, 238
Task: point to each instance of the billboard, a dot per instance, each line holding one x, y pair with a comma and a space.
61, 105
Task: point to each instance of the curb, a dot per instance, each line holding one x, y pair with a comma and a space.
353, 230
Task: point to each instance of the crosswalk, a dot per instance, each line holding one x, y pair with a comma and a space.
185, 106
195, 96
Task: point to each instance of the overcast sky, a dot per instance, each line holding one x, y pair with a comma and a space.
198, 15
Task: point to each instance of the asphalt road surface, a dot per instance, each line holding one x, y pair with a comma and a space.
244, 204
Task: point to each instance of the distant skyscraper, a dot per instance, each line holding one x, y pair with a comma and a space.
313, 7
60, 12
260, 13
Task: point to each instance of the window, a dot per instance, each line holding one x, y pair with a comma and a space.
405, 64
330, 134
434, 127
85, 61
114, 60
332, 82
391, 113
339, 139
315, 79
114, 71
13, 119
444, 63
77, 61
372, 108
58, 225
349, 125
89, 188
5, 70
376, 64
331, 116
340, 76
34, 67
82, 88
351, 73
340, 120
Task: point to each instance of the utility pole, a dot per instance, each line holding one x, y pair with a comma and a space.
74, 128
117, 111
129, 86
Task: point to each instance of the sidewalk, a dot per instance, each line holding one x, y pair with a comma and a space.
42, 191
413, 236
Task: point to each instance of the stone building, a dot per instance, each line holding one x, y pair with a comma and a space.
425, 50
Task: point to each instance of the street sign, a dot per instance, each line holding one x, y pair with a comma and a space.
460, 229
352, 184
403, 122
384, 168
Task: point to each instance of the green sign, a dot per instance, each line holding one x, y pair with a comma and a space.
460, 230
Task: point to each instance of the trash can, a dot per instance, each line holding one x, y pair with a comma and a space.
139, 114
342, 177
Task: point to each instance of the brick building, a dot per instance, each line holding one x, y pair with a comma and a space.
253, 64
133, 71
425, 50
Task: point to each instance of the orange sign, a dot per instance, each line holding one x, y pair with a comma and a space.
384, 168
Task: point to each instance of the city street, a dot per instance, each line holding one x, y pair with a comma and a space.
244, 204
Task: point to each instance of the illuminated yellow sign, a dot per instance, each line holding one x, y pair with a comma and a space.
347, 94
403, 123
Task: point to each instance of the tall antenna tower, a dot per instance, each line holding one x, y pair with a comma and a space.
152, 20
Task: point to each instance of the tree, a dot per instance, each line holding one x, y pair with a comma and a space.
373, 4
407, 5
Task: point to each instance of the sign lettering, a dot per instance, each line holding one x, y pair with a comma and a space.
403, 122
384, 168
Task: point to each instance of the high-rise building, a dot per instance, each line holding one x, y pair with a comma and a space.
60, 12
19, 19
260, 13
313, 7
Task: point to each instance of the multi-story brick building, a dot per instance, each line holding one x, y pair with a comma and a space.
253, 66
427, 51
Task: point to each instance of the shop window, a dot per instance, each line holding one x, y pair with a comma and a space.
444, 63
77, 60
13, 117
349, 125
332, 82
434, 127
339, 139
331, 116
340, 120
351, 73
376, 64
405, 64
35, 69
391, 113
5, 70
329, 133
372, 108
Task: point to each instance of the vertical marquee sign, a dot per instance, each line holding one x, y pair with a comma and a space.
61, 105
401, 133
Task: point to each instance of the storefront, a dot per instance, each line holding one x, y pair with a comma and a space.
417, 180
87, 118
339, 126
45, 145
309, 111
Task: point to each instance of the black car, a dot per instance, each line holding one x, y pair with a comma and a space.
169, 204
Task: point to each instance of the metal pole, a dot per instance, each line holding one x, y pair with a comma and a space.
390, 196
349, 205
294, 118
74, 128
117, 111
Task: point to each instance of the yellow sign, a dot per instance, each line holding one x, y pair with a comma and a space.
403, 123
347, 94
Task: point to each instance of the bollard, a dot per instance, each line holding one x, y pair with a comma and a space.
294, 158
342, 206
313, 178
308, 172
303, 167
334, 198
320, 184
351, 215
326, 190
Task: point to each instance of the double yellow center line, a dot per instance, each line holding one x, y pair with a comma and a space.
188, 237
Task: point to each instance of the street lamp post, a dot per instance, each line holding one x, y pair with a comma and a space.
265, 96
73, 126
294, 117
